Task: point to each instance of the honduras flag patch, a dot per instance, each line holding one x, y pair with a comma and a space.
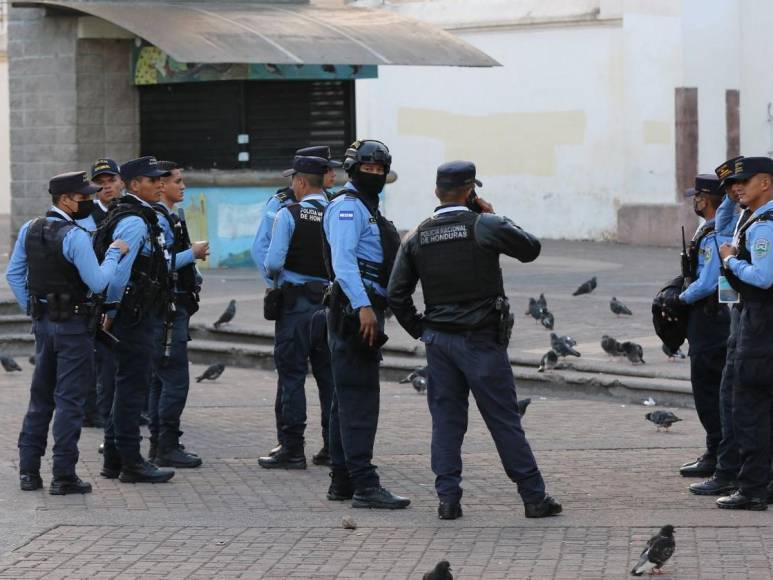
345, 215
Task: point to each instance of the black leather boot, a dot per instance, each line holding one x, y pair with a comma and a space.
704, 466
69, 484
378, 498
713, 486
30, 481
544, 509
144, 472
739, 501
286, 458
176, 457
341, 487
449, 510
322, 457
111, 463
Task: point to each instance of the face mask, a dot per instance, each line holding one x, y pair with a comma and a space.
369, 183
84, 209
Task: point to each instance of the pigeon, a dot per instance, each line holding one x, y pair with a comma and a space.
211, 373
547, 320
611, 346
548, 362
662, 419
228, 315
633, 352
9, 364
563, 345
329, 68
535, 310
441, 571
586, 287
658, 550
417, 378
348, 523
522, 404
618, 307
672, 355
31, 359
543, 303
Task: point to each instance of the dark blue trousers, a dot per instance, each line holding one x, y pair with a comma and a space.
133, 361
64, 367
354, 409
752, 410
474, 361
293, 350
170, 383
728, 461
105, 372
706, 369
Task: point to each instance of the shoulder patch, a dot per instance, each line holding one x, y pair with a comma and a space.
707, 254
345, 215
761, 247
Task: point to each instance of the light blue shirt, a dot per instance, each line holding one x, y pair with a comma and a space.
352, 233
263, 236
284, 227
759, 238
87, 224
135, 233
182, 259
77, 249
707, 275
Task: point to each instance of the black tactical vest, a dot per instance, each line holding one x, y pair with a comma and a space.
388, 236
148, 279
98, 214
49, 272
451, 265
186, 276
748, 292
305, 253
695, 247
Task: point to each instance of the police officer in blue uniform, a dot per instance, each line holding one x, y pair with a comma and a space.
466, 327
727, 219
748, 265
138, 292
53, 273
281, 199
105, 173
296, 262
360, 246
708, 323
171, 377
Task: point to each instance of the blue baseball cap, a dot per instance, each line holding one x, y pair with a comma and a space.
72, 182
313, 165
142, 167
456, 174
105, 167
322, 151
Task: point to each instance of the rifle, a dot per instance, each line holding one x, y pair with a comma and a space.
171, 308
685, 263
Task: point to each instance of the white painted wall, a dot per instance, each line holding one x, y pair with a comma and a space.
579, 120
5, 138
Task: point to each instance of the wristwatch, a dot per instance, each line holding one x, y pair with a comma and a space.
726, 262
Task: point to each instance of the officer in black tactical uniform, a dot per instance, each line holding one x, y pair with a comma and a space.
360, 246
138, 294
54, 274
466, 328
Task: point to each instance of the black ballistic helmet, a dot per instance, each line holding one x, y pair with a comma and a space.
367, 151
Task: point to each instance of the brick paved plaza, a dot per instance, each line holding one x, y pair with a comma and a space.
613, 472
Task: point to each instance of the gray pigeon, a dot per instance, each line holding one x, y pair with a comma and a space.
547, 320
563, 345
211, 373
658, 550
31, 359
522, 404
228, 315
9, 364
662, 419
611, 346
618, 307
441, 571
535, 310
586, 287
417, 378
633, 352
672, 354
542, 301
548, 362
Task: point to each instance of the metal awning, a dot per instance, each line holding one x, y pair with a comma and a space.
232, 32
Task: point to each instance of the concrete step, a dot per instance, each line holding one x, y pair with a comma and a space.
9, 306
15, 324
